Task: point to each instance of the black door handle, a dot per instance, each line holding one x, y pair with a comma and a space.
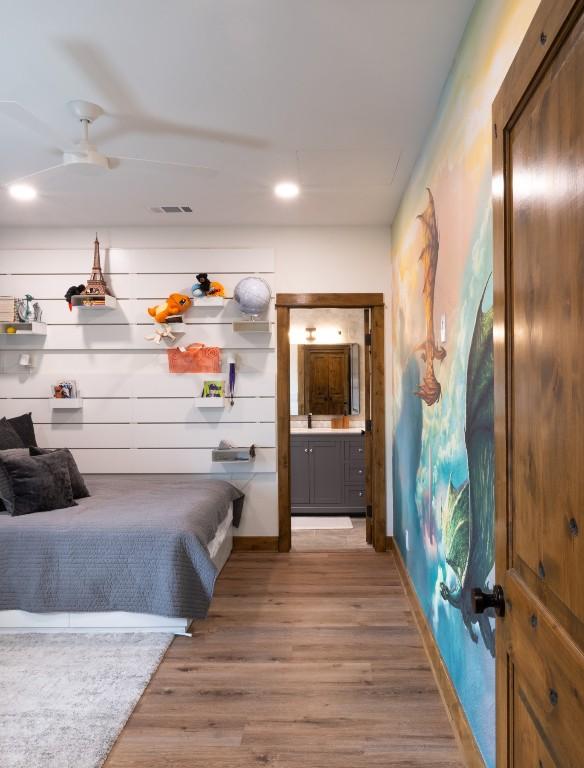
481, 601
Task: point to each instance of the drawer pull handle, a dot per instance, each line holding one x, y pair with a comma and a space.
359, 471
360, 450
306, 450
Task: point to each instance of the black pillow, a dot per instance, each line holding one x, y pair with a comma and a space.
6, 492
9, 437
77, 482
40, 483
24, 428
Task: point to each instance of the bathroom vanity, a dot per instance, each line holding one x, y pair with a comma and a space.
327, 472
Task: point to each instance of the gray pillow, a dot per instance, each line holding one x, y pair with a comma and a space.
6, 492
9, 437
39, 483
24, 428
77, 482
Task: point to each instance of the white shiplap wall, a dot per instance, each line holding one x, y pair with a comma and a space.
136, 416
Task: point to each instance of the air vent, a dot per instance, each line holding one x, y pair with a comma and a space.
171, 209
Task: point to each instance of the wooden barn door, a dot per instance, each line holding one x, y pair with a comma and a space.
538, 157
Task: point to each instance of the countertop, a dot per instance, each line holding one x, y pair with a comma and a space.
326, 431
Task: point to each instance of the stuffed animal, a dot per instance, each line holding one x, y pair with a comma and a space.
176, 304
202, 286
74, 290
217, 289
206, 287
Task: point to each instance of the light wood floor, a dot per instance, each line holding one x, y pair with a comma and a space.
325, 539
307, 660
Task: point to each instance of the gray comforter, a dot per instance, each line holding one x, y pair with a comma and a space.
137, 544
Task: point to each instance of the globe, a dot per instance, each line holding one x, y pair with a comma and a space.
253, 295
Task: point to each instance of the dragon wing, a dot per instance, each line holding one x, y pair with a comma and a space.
479, 438
455, 528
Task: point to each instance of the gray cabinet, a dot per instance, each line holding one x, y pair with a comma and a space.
299, 472
327, 474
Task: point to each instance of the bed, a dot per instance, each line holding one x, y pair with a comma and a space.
140, 554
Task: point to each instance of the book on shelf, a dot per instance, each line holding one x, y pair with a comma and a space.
7, 309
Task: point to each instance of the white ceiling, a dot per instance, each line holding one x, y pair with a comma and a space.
336, 93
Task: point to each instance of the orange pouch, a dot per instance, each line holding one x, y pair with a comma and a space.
196, 358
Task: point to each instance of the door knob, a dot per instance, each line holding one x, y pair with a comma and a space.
481, 601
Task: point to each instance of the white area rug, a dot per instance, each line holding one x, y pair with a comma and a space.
65, 698
321, 523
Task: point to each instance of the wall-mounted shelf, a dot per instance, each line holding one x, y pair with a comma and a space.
94, 302
33, 328
232, 455
209, 402
65, 403
209, 301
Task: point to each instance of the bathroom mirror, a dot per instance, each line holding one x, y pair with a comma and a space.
326, 358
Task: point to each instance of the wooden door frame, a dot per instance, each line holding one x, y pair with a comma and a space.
375, 303
552, 23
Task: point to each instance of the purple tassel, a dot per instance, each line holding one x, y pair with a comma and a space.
231, 382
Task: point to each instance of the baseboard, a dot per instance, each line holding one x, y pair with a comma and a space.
255, 543
462, 729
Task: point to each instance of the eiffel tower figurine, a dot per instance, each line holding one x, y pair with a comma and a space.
96, 285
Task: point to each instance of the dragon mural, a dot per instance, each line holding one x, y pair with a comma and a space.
429, 390
468, 511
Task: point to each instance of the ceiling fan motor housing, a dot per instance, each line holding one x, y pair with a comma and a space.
88, 160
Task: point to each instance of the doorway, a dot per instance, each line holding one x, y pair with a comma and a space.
331, 421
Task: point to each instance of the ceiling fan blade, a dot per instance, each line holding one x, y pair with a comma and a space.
202, 170
15, 111
125, 108
32, 175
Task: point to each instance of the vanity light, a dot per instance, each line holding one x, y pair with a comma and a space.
23, 192
287, 190
310, 334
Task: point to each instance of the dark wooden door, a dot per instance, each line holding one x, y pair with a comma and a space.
327, 379
299, 472
326, 472
539, 383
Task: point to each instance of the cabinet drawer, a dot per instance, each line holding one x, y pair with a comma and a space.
355, 496
354, 473
355, 451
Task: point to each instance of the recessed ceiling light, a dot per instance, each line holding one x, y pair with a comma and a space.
287, 190
22, 192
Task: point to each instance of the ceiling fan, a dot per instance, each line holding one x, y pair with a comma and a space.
84, 156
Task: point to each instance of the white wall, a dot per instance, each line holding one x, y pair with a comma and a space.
311, 259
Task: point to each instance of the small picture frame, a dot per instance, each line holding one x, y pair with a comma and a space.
213, 389
64, 390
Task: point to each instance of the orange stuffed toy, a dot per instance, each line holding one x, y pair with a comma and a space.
176, 304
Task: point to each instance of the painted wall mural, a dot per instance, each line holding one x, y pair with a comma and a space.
443, 457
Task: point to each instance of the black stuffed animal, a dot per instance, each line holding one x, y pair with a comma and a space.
203, 285
74, 290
